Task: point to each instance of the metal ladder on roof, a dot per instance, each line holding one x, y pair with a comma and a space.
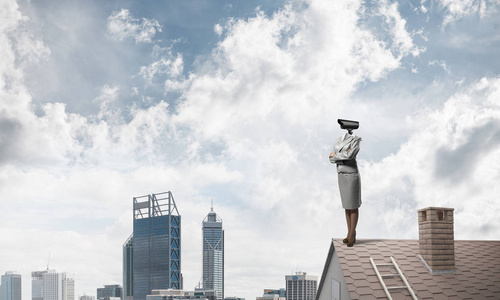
381, 277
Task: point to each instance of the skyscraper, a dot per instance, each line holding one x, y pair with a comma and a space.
156, 249
128, 270
49, 285
213, 254
301, 286
10, 286
37, 285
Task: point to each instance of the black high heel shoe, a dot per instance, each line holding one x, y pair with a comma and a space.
346, 240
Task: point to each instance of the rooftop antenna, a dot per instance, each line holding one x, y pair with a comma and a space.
48, 262
212, 206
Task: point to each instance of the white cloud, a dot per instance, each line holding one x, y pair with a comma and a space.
402, 40
440, 63
446, 162
122, 25
218, 29
171, 66
29, 49
457, 9
422, 7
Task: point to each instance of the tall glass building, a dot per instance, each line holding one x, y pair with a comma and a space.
128, 272
10, 286
213, 254
156, 254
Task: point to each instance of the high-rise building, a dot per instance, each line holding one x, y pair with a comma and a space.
49, 285
68, 287
37, 285
10, 286
128, 271
301, 286
109, 291
156, 247
213, 254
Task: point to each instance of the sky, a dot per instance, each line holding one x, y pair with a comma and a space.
237, 102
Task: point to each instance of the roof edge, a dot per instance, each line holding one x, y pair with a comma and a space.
325, 268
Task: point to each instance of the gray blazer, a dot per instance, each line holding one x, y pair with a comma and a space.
345, 150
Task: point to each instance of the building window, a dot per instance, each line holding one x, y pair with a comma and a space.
335, 290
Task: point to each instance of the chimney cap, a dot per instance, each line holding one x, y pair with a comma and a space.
435, 208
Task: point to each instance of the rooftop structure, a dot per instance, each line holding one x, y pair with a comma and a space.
469, 270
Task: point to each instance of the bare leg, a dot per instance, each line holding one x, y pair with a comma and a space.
348, 220
354, 216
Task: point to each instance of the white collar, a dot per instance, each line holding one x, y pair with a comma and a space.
347, 135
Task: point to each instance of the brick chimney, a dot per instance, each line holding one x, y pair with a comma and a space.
436, 238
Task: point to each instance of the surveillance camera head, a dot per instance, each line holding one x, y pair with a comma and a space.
349, 125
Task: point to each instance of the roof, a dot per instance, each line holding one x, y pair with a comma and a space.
477, 274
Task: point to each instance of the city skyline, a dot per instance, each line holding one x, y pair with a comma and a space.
237, 102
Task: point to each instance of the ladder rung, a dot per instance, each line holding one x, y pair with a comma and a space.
390, 275
400, 274
396, 287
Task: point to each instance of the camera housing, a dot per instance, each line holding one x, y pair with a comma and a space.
349, 125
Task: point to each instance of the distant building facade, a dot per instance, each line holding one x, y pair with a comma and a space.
198, 294
86, 297
270, 297
155, 245
213, 254
301, 286
270, 292
37, 285
49, 285
10, 286
234, 298
110, 291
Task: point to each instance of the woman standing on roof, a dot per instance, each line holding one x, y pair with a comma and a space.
344, 155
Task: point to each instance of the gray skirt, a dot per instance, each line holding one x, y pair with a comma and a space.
350, 190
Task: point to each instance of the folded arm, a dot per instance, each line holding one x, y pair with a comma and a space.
347, 153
